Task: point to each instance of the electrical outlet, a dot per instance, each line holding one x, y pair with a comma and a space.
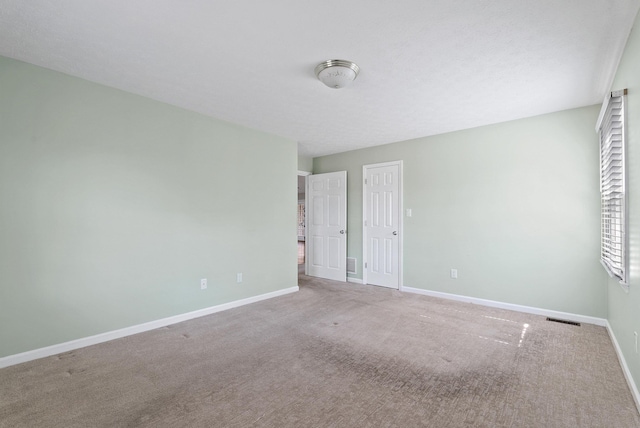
239, 278
203, 283
454, 273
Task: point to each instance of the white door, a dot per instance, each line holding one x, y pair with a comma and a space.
327, 225
382, 224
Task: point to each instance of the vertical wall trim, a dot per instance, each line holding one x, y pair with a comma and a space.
625, 367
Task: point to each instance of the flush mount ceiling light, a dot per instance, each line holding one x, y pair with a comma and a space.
337, 73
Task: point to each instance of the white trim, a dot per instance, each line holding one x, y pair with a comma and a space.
365, 268
400, 164
135, 329
510, 306
305, 173
306, 225
605, 104
355, 280
624, 285
625, 367
603, 109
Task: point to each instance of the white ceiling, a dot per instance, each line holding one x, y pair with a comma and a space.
427, 66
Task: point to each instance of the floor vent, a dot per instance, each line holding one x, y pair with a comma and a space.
351, 265
563, 321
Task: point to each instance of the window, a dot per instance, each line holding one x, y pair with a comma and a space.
613, 186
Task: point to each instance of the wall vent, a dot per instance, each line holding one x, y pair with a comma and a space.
351, 265
563, 321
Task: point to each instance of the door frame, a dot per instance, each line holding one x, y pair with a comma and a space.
365, 249
306, 247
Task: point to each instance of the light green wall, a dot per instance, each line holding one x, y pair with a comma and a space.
114, 206
514, 207
305, 163
624, 307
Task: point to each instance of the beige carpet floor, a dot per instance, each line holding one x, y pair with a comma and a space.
332, 355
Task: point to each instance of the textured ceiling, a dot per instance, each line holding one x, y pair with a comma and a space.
427, 67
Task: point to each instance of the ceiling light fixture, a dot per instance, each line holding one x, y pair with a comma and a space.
337, 73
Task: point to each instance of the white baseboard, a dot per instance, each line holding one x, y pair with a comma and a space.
135, 329
625, 367
354, 280
509, 306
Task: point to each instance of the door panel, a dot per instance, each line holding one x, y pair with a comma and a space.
334, 210
317, 250
318, 211
328, 225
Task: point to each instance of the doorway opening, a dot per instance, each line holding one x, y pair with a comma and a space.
302, 221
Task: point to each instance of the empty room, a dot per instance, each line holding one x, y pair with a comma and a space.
328, 214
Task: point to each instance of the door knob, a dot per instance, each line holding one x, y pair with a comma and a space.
395, 232
342, 232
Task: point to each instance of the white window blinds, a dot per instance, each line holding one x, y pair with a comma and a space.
612, 185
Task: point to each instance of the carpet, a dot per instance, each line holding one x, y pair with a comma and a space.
333, 355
